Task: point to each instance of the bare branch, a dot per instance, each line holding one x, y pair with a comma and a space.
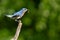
17, 31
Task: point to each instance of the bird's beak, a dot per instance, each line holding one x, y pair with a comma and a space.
27, 11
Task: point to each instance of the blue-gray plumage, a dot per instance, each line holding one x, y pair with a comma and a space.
18, 14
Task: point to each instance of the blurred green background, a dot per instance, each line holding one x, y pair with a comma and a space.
41, 23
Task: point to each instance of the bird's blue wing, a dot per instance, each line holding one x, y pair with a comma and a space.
19, 13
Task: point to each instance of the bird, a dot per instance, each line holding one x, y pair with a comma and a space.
18, 15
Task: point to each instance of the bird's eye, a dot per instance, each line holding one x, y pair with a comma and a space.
24, 9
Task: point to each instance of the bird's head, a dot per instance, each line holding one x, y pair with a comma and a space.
25, 10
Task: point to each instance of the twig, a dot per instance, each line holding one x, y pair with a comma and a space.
17, 31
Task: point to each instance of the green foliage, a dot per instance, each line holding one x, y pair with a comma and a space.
41, 23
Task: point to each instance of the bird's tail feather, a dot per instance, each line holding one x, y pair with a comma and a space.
10, 16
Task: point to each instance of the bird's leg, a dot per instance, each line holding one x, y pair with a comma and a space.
17, 20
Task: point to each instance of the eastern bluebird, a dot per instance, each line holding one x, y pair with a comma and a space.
18, 14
